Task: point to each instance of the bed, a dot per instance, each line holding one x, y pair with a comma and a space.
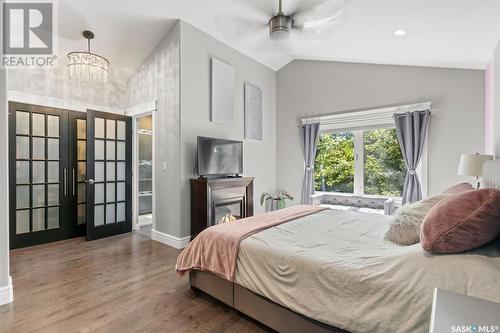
331, 271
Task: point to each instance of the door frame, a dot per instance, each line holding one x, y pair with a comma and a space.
148, 109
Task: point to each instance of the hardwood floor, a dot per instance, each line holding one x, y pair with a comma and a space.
125, 283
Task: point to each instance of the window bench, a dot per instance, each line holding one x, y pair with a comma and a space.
365, 204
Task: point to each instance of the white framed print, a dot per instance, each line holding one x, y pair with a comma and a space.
222, 92
253, 112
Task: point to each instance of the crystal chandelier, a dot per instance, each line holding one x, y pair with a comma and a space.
88, 67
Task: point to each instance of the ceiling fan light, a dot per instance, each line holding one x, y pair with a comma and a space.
280, 26
280, 34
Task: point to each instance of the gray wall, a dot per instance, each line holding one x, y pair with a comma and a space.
58, 84
158, 80
259, 156
4, 181
307, 88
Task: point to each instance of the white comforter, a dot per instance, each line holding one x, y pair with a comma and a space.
335, 267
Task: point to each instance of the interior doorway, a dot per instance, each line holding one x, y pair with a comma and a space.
144, 164
70, 174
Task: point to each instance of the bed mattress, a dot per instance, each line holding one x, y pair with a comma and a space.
335, 267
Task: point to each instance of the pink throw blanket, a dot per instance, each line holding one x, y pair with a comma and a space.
216, 248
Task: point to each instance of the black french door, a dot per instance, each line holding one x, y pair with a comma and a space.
38, 174
78, 173
70, 174
109, 174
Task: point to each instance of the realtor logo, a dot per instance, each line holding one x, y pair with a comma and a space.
28, 28
28, 34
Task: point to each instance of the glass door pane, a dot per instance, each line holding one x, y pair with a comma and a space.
81, 172
145, 168
78, 162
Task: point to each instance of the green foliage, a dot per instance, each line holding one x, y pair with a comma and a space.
334, 166
384, 166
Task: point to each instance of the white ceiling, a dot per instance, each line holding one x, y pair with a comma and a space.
442, 33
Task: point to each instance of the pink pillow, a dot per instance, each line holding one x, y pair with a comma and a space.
459, 188
461, 222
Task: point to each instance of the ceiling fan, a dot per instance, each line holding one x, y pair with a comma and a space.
312, 17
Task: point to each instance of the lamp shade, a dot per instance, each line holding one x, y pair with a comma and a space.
472, 165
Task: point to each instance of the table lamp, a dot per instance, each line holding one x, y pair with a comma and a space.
472, 165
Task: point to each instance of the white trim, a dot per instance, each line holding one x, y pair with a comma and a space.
68, 104
7, 293
178, 243
359, 163
141, 109
137, 112
352, 120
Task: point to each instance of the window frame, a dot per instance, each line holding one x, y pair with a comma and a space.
366, 119
359, 163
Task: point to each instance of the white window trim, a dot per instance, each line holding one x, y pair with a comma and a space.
357, 121
359, 163
354, 120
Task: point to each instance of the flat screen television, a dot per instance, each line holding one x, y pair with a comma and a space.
219, 157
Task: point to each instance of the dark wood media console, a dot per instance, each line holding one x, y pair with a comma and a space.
219, 199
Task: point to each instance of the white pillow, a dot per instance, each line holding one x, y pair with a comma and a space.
404, 227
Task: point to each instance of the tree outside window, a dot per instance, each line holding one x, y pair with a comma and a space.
384, 167
378, 155
334, 165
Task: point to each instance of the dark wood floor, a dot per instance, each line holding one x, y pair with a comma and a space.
124, 283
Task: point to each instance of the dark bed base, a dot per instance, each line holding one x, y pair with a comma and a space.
255, 306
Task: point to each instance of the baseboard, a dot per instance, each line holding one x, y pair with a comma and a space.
178, 243
7, 293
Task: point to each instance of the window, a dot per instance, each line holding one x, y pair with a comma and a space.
334, 166
384, 167
360, 162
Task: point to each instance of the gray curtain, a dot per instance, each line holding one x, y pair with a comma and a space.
309, 134
411, 128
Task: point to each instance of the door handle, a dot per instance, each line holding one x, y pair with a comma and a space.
65, 182
91, 181
74, 181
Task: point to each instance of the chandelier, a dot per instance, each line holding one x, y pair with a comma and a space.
88, 67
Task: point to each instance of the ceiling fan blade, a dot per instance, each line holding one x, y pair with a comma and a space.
326, 12
319, 32
239, 26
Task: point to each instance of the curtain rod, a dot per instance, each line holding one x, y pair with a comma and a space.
399, 114
390, 109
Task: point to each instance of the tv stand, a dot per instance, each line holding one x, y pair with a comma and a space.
215, 200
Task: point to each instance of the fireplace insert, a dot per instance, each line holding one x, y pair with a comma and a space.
221, 200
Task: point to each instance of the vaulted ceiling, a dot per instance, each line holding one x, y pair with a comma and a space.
442, 33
